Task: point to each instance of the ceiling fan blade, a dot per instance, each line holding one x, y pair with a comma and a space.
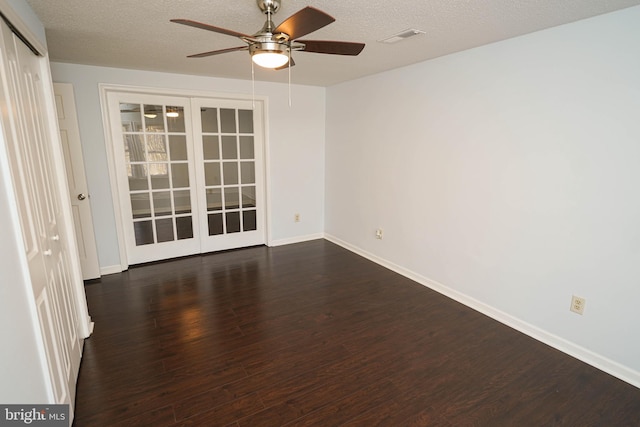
218, 52
332, 47
285, 66
209, 27
303, 22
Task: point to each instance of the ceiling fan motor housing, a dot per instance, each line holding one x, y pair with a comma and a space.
268, 6
268, 46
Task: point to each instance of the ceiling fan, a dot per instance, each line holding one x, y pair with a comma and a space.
271, 47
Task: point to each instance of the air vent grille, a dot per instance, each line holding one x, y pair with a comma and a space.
402, 36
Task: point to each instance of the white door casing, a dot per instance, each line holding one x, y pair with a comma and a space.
143, 178
56, 285
76, 180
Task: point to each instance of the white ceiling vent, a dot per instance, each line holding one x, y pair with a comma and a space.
402, 35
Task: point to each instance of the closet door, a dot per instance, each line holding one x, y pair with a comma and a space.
30, 147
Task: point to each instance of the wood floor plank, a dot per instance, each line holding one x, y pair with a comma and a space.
311, 334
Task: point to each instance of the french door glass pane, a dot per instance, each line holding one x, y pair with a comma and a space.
214, 199
158, 172
245, 119
184, 227
246, 147
209, 117
230, 183
228, 120
144, 232
130, 117
178, 147
175, 119
210, 147
180, 175
164, 229
154, 118
249, 220
215, 224
229, 147
212, 174
249, 197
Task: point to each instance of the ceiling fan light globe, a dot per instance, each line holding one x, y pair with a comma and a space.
270, 59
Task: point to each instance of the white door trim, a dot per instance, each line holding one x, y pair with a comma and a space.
105, 89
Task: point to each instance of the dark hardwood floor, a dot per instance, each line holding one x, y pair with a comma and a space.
313, 335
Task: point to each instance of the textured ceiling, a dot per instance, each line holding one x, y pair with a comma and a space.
137, 33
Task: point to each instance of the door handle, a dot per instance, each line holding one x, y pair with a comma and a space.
81, 196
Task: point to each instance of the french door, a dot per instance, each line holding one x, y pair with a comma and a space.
189, 172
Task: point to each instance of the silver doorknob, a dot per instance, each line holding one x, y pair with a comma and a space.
81, 196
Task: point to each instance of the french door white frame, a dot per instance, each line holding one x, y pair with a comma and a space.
106, 89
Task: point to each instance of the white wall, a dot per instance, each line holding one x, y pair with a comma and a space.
507, 176
296, 146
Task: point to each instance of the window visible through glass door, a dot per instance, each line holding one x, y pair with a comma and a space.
155, 148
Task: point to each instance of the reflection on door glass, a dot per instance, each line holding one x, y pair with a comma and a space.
230, 173
157, 148
180, 175
210, 147
212, 174
130, 117
164, 230
143, 231
214, 199
233, 222
228, 120
247, 171
249, 221
246, 147
159, 175
184, 227
175, 119
182, 202
209, 117
249, 197
153, 118
138, 177
229, 147
162, 203
134, 148
245, 119
215, 224
140, 205
231, 198
178, 147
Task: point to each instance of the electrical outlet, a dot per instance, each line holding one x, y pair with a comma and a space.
296, 217
379, 234
577, 304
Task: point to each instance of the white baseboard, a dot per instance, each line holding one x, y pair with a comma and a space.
596, 360
297, 239
110, 269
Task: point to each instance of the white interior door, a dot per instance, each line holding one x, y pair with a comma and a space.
189, 173
154, 164
76, 180
229, 149
30, 146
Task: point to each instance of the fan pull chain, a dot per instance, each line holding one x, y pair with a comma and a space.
289, 77
253, 87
